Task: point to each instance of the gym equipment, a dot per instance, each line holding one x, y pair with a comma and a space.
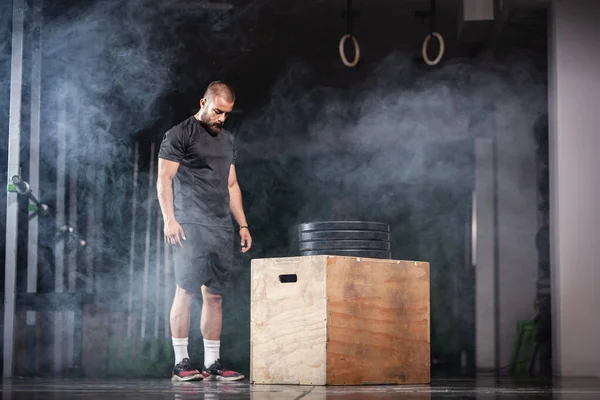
386, 255
345, 238
360, 321
343, 225
345, 244
344, 235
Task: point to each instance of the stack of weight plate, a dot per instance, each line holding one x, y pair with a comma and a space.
345, 238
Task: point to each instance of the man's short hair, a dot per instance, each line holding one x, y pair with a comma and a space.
221, 89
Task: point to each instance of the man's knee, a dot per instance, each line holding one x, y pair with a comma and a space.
211, 298
182, 294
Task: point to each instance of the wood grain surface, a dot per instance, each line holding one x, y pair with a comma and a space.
378, 321
288, 321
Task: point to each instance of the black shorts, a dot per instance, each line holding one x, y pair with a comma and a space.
205, 258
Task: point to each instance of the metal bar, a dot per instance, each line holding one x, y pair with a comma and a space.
432, 27
349, 17
34, 151
474, 228
496, 231
485, 331
77, 342
59, 253
147, 247
98, 226
167, 287
92, 230
132, 245
12, 205
91, 226
34, 174
72, 252
157, 309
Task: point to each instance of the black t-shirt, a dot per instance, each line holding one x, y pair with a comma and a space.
201, 193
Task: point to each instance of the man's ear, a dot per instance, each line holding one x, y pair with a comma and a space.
202, 103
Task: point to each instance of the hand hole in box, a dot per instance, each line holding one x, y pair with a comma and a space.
289, 278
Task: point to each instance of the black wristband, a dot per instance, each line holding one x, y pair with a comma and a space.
242, 227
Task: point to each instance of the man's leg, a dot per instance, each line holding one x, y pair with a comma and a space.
211, 323
218, 267
180, 329
180, 322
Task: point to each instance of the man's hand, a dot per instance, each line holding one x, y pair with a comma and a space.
246, 239
173, 231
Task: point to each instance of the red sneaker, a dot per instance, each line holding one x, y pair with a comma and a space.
184, 371
218, 372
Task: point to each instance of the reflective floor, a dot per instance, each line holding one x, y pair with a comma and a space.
480, 388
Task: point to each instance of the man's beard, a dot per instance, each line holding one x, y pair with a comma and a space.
212, 127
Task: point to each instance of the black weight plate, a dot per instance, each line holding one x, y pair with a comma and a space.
345, 245
343, 225
349, 253
344, 235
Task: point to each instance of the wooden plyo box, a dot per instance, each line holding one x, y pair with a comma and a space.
332, 320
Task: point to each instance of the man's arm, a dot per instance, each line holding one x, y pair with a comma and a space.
164, 187
235, 198
235, 203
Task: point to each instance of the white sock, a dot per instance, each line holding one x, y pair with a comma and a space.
211, 351
180, 345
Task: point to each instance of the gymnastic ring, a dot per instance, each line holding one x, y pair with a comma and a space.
426, 43
356, 51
